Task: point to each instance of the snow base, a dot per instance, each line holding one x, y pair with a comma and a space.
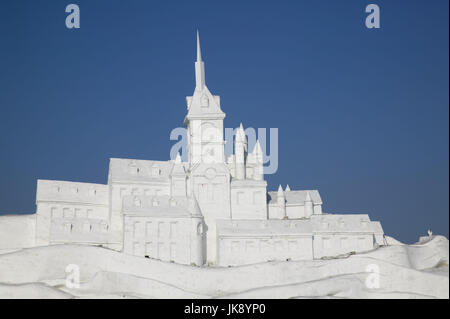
405, 271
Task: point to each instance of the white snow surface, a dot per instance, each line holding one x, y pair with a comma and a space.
405, 271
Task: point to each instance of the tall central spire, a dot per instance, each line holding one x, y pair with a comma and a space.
199, 51
199, 68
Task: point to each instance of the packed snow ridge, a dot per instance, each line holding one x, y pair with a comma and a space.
393, 271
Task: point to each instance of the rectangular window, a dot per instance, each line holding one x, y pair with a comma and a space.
160, 254
293, 245
80, 213
56, 213
173, 229
68, 212
256, 197
137, 230
68, 227
218, 193
278, 245
148, 229
161, 230
362, 243
136, 249
235, 246
326, 243
148, 249
240, 198
173, 251
87, 227
203, 192
344, 242
265, 246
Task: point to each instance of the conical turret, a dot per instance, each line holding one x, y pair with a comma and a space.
258, 173
240, 145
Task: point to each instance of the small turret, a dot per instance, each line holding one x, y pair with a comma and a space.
198, 231
199, 68
240, 147
281, 200
287, 189
258, 172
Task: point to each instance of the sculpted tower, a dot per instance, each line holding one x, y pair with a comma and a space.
209, 176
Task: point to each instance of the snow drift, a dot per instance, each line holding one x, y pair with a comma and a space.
401, 271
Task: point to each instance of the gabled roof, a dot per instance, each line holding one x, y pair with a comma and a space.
296, 197
348, 223
204, 104
72, 192
141, 171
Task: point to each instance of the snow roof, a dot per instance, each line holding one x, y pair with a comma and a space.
339, 223
317, 224
72, 192
295, 197
132, 170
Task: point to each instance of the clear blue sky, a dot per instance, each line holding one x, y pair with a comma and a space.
363, 115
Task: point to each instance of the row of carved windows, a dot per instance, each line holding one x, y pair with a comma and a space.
249, 197
71, 212
85, 227
153, 171
344, 242
158, 229
158, 250
265, 245
209, 193
75, 190
124, 191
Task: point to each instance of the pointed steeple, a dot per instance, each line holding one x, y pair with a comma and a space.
281, 201
257, 150
199, 51
240, 134
280, 191
287, 189
199, 68
258, 170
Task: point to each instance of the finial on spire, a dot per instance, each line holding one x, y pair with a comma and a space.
199, 68
280, 191
199, 51
257, 150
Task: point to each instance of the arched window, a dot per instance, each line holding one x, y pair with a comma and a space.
199, 229
204, 101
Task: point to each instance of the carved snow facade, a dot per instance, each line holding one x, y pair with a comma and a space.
211, 210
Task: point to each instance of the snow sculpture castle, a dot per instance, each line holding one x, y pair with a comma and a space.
211, 209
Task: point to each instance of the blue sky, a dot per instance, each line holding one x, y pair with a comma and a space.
362, 114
